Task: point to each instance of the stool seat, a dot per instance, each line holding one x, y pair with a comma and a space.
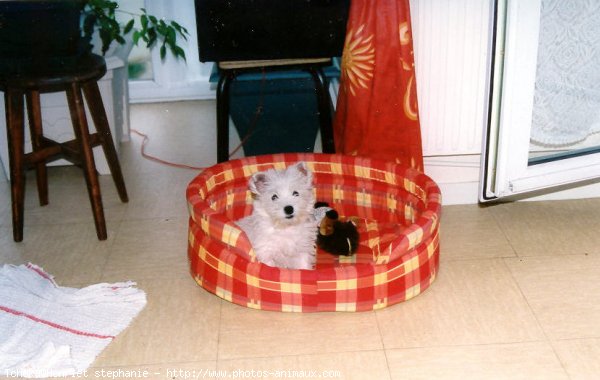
24, 80
228, 65
48, 74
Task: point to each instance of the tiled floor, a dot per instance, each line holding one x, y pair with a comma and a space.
517, 296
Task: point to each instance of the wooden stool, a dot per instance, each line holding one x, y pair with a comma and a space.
231, 69
72, 75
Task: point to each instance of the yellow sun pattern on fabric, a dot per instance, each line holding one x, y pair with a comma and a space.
405, 39
358, 60
404, 33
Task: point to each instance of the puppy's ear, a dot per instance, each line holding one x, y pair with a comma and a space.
303, 169
258, 183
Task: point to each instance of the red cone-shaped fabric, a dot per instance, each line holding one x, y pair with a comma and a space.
377, 113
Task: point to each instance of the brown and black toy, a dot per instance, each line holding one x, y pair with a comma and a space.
337, 237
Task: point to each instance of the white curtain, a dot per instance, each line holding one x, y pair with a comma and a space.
567, 92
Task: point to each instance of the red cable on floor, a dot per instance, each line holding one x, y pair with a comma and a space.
159, 160
174, 164
253, 123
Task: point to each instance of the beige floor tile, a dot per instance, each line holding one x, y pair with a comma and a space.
580, 357
188, 370
563, 291
155, 196
134, 165
348, 365
247, 333
508, 361
180, 132
180, 323
10, 251
471, 232
5, 208
552, 227
68, 199
72, 253
471, 302
160, 164
148, 249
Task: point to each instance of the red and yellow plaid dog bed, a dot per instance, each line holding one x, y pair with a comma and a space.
398, 257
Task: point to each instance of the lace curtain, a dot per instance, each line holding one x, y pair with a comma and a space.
567, 89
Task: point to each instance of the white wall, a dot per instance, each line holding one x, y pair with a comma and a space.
451, 42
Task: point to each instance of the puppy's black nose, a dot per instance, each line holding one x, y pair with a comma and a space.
289, 210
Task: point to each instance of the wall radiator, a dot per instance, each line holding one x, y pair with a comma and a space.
451, 58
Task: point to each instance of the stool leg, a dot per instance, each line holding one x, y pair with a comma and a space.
96, 107
34, 111
13, 101
223, 115
82, 134
324, 106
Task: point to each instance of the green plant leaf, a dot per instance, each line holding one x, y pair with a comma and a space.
136, 37
100, 15
151, 37
89, 22
144, 21
178, 52
129, 26
171, 37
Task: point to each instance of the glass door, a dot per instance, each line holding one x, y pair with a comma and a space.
544, 124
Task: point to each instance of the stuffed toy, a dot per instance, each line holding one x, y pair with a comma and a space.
335, 236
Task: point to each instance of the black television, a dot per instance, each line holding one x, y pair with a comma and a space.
241, 30
40, 29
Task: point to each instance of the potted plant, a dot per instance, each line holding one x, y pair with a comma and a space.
100, 16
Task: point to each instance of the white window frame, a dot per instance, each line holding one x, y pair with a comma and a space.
506, 168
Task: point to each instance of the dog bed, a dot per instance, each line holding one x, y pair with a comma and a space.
398, 256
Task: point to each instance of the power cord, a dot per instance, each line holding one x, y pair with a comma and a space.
147, 156
257, 114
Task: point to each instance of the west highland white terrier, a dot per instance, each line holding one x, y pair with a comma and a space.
282, 227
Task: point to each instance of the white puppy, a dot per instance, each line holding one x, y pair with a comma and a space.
282, 226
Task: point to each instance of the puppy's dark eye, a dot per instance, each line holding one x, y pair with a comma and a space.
274, 197
296, 194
